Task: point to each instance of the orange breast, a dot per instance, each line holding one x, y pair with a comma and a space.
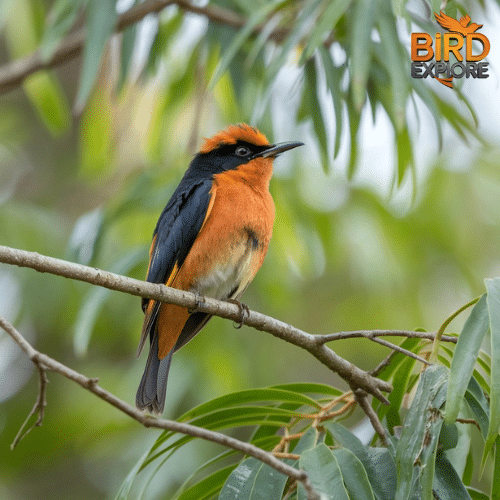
230, 248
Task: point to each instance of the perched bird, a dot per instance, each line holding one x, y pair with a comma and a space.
210, 239
455, 26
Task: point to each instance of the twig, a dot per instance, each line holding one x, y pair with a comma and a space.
12, 74
370, 334
46, 363
349, 372
362, 399
39, 406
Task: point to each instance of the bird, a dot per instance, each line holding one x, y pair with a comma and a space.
210, 239
455, 26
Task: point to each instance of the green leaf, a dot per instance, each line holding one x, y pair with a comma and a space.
405, 154
128, 481
493, 300
101, 18
348, 440
464, 358
324, 473
311, 108
477, 495
208, 486
253, 480
326, 22
249, 396
495, 483
311, 388
333, 76
62, 16
243, 34
354, 474
416, 449
447, 483
364, 16
479, 405
400, 383
383, 477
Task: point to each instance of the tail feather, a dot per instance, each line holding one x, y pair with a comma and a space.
153, 387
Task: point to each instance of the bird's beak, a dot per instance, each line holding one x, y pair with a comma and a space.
275, 149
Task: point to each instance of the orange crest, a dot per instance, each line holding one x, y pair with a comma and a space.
233, 134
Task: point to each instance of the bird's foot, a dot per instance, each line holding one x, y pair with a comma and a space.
199, 301
244, 311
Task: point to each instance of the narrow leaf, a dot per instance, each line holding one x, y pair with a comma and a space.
101, 17
324, 473
493, 299
464, 358
361, 49
354, 474
420, 432
447, 483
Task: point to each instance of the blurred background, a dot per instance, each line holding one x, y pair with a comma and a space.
382, 221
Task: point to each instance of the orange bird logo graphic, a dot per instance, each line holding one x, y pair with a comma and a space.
455, 26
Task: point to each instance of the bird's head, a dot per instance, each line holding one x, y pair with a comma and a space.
236, 146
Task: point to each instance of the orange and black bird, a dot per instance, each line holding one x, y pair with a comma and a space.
210, 239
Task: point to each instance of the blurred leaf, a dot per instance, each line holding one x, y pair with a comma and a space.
101, 17
415, 453
354, 475
324, 473
326, 23
256, 18
311, 108
127, 50
129, 480
308, 387
96, 300
493, 300
61, 18
86, 232
47, 97
333, 76
464, 358
364, 16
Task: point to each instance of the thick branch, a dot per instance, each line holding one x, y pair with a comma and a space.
14, 73
46, 363
353, 375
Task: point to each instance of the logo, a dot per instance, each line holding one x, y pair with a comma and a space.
433, 59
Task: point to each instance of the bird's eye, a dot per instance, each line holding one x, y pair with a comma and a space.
242, 151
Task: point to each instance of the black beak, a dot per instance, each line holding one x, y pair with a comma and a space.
275, 149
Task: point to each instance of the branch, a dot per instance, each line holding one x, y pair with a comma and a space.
45, 363
353, 375
13, 74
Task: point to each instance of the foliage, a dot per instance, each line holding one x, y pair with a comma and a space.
90, 152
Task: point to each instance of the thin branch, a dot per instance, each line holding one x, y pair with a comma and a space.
362, 399
370, 334
13, 73
46, 363
353, 375
39, 406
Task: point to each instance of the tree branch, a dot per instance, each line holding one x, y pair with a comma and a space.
13, 74
353, 375
45, 363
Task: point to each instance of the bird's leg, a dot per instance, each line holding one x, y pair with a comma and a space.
198, 303
244, 311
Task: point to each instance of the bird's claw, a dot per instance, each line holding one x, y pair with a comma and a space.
244, 311
199, 301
